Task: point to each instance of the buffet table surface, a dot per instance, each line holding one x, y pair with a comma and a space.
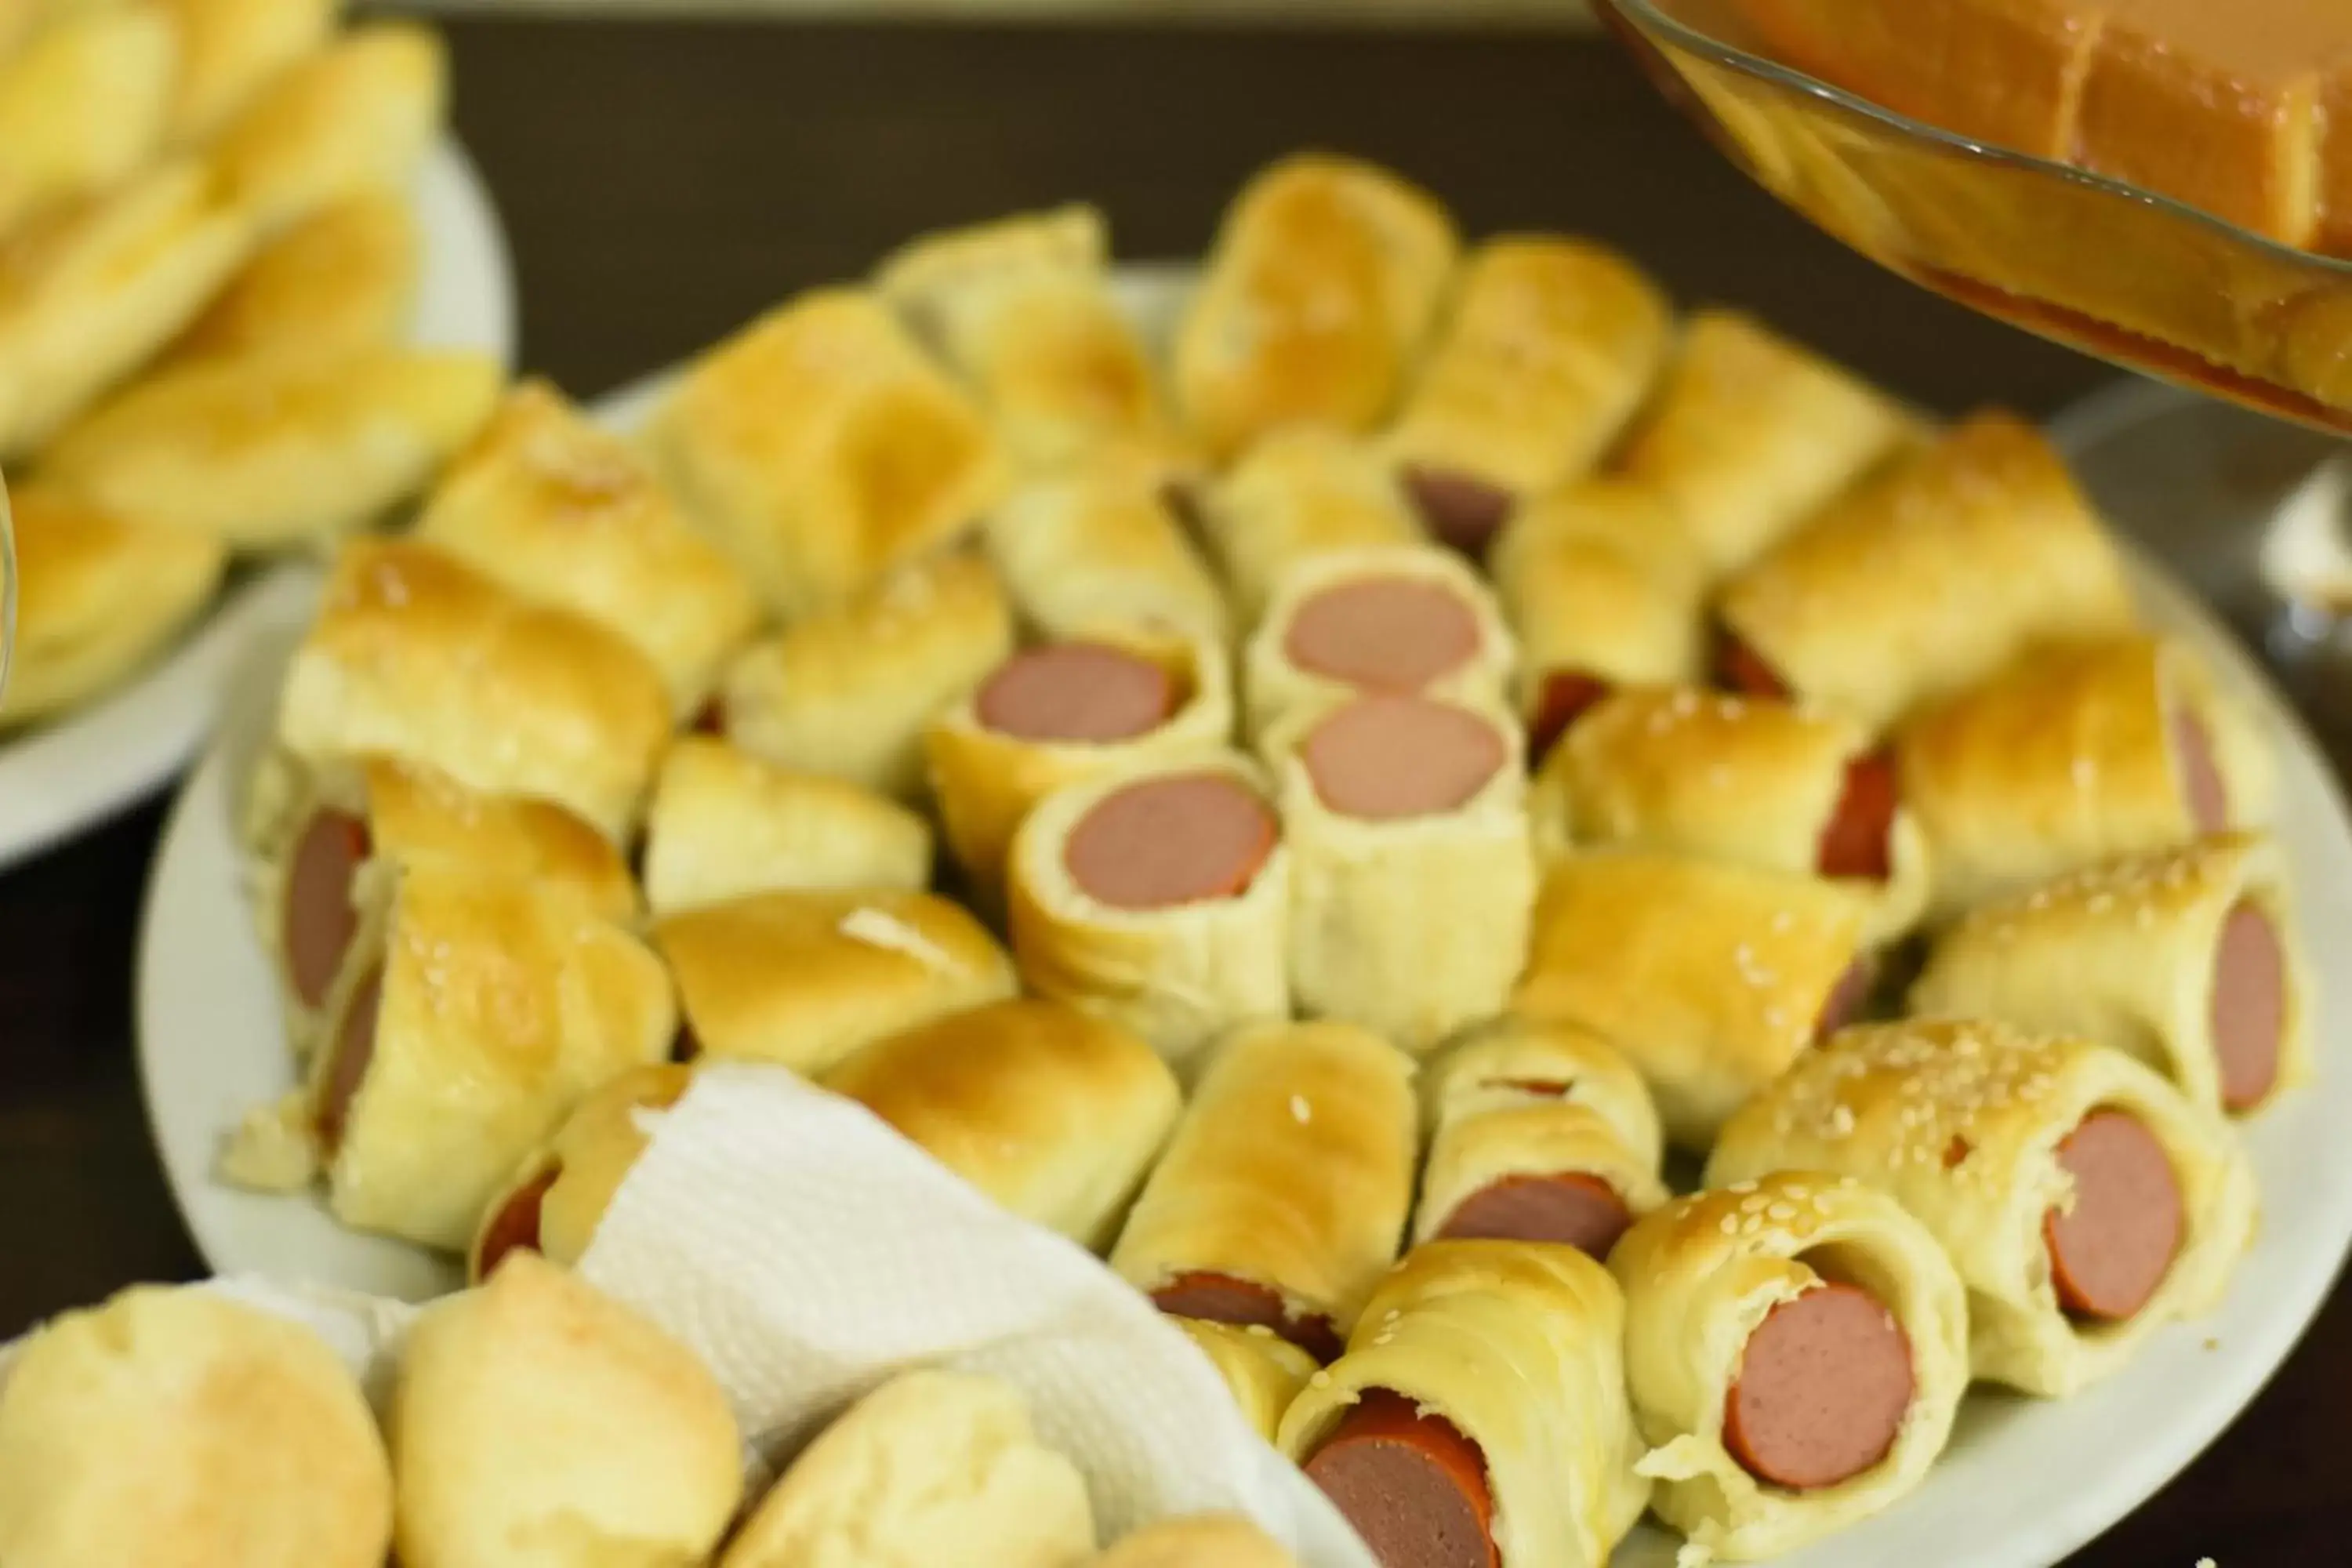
663, 181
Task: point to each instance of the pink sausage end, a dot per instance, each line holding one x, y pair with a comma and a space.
1573, 1208
1413, 1485
1823, 1386
320, 920
1172, 841
1382, 634
1077, 692
1382, 758
2248, 1007
2113, 1249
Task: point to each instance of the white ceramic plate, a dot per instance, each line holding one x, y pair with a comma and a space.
80, 769
2024, 1484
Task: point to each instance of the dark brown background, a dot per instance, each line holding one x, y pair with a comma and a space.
662, 182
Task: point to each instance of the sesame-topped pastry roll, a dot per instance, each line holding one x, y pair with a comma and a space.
1410, 870
2074, 753
1548, 348
848, 693
1397, 620
1479, 1415
2084, 1202
83, 106
1115, 698
1023, 308
1752, 434
1263, 1371
1282, 1196
1796, 1346
824, 450
1602, 587
1325, 280
1101, 540
557, 1196
1544, 1132
1299, 493
1712, 976
2187, 958
1927, 579
1158, 898
1750, 779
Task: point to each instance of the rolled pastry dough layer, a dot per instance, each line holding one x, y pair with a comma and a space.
1700, 1277
1263, 1371
573, 1177
1204, 1541
1099, 542
356, 115
341, 280
83, 106
1960, 1123
1297, 494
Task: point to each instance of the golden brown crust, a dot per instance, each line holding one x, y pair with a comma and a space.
83, 106
231, 50
1297, 494
355, 116
1208, 1540
1100, 542
1263, 1371
340, 281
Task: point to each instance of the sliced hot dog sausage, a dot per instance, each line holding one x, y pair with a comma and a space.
516, 1228
1847, 997
1566, 696
1244, 1303
1169, 841
2202, 789
1077, 691
1412, 1485
354, 1047
1858, 840
319, 916
1823, 1386
1380, 758
1382, 634
2249, 1005
1574, 1208
1463, 510
2113, 1249
1742, 669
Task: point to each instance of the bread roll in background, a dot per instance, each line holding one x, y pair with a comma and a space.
1210, 1541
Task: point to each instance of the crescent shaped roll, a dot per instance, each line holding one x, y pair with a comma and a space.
2075, 754
1206, 1540
553, 507
277, 450
1752, 434
1548, 347
127, 1429
1516, 1347
1100, 542
1929, 578
1711, 976
1703, 1275
2185, 958
1263, 1371
1753, 780
848, 693
1410, 870
1322, 286
83, 106
1283, 1193
1961, 1123
414, 655
1519, 1104
803, 979
357, 115
986, 779
97, 595
823, 449
1297, 494
1054, 1116
1179, 967
1022, 309
557, 1197
340, 281
725, 825
232, 50
538, 1422
1396, 618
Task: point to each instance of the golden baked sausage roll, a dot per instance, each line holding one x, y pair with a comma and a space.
232, 50
1263, 1371
2186, 958
1548, 346
1602, 587
1796, 1346
1205, 1541
724, 824
1927, 579
1750, 779
557, 1197
1410, 871
97, 594
1299, 493
340, 281
1116, 698
555, 509
848, 692
1054, 1115
282, 449
177, 1426
471, 1015
802, 979
1283, 1196
1158, 898
824, 450
1711, 975
416, 655
535, 1421
1325, 276
83, 106
1751, 434
1396, 619
1023, 308
1101, 540
1543, 1131
2084, 1202
357, 115
2074, 753
1479, 1415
